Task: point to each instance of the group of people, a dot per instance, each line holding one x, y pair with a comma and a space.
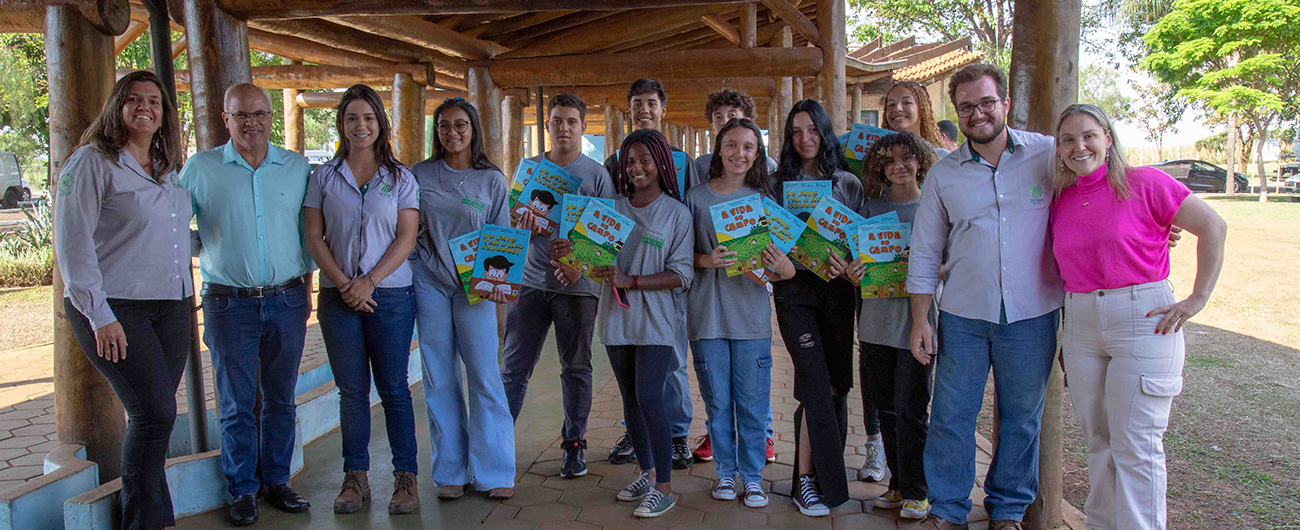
1008, 228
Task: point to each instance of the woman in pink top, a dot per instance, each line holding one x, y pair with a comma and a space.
1123, 327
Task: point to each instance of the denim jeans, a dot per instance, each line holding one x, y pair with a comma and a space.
640, 372
359, 344
474, 446
1021, 356
527, 323
158, 344
678, 407
735, 378
256, 341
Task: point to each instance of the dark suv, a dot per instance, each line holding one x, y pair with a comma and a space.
1201, 176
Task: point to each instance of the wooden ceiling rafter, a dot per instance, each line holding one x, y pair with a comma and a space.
493, 30
605, 32
523, 38
281, 9
426, 35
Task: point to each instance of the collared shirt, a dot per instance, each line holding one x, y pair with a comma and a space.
120, 234
991, 223
250, 220
361, 223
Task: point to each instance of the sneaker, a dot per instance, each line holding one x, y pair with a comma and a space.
725, 490
655, 503
637, 490
703, 449
934, 522
874, 469
754, 496
890, 500
682, 457
809, 499
574, 464
914, 509
622, 452
771, 450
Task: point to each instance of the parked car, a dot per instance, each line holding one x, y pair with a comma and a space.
1202, 176
1290, 168
11, 181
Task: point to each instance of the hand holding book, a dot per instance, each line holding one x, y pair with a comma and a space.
720, 258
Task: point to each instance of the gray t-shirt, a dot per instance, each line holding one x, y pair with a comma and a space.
538, 272
888, 321
722, 307
453, 203
702, 166
661, 241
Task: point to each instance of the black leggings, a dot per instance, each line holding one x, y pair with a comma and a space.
901, 388
157, 344
641, 372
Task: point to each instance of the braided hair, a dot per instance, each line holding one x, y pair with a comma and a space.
657, 144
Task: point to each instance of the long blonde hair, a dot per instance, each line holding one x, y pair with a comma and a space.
108, 133
1116, 165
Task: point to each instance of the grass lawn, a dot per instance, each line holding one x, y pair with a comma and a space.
27, 313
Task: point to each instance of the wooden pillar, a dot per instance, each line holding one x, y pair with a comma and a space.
218, 52
611, 117
689, 144
830, 24
1044, 80
408, 119
486, 98
855, 113
620, 128
796, 89
514, 126
541, 129
80, 62
775, 131
784, 99
295, 136
749, 25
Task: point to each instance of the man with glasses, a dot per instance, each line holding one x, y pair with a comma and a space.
247, 197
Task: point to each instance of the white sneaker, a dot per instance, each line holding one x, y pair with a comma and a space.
874, 468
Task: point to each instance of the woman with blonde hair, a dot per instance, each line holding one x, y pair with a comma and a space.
908, 109
1123, 348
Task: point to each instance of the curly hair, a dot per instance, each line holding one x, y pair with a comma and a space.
730, 98
924, 111
657, 144
873, 177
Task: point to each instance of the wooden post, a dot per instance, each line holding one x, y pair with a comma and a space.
1044, 80
748, 25
830, 24
855, 113
80, 63
408, 119
689, 144
486, 98
295, 136
219, 59
796, 85
775, 121
784, 85
541, 129
514, 126
611, 117
620, 128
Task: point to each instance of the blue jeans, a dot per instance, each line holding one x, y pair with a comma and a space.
1021, 356
469, 447
678, 407
357, 344
252, 340
735, 378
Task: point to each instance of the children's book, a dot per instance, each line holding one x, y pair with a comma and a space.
679, 163
891, 217
799, 197
883, 251
784, 228
827, 232
523, 175
573, 204
542, 194
859, 140
597, 238
463, 250
499, 262
742, 227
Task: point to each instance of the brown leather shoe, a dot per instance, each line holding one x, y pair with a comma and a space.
406, 496
1003, 524
934, 522
501, 493
355, 492
451, 493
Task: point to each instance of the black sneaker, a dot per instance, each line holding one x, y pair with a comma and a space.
622, 452
682, 457
808, 498
574, 464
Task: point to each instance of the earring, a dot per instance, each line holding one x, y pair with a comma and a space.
1108, 156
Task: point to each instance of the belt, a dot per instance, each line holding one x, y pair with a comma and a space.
216, 289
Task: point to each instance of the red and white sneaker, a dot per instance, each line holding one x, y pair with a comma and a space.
703, 449
771, 450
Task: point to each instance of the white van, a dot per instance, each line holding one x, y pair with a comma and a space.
11, 181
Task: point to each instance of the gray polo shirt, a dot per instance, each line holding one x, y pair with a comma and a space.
359, 227
538, 271
888, 321
120, 234
661, 241
992, 224
702, 166
453, 203
722, 307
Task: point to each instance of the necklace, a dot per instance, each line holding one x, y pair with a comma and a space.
443, 184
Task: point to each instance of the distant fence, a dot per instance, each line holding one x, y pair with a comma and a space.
1143, 156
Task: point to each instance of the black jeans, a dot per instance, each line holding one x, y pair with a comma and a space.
816, 322
901, 388
641, 372
158, 343
527, 324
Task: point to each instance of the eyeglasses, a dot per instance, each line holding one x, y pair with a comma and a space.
967, 110
460, 127
244, 116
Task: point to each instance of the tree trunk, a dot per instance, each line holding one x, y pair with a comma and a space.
1259, 160
1231, 148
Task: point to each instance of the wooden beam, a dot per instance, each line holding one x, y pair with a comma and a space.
679, 91
133, 32
295, 136
723, 28
178, 47
748, 25
420, 32
540, 93
408, 119
496, 29
513, 123
830, 22
791, 15
329, 100
612, 30
670, 38
307, 77
855, 110
860, 67
627, 67
884, 51
261, 9
610, 117
314, 52
109, 17
526, 37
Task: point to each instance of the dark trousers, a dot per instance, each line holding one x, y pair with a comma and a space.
256, 343
359, 344
640, 372
527, 324
157, 344
901, 389
870, 417
816, 322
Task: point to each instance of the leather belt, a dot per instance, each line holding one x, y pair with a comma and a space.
216, 289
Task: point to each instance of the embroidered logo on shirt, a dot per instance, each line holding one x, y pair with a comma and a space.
472, 203
65, 184
652, 240
1036, 194
385, 190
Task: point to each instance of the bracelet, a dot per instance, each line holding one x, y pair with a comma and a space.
372, 281
635, 281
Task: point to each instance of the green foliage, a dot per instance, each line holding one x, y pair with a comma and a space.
1159, 113
24, 97
27, 256
987, 22
1099, 85
28, 269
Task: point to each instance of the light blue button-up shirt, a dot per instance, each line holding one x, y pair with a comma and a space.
250, 220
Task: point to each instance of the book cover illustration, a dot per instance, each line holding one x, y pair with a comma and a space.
499, 261
523, 175
799, 197
890, 217
784, 228
858, 141
572, 205
597, 238
742, 226
883, 251
542, 195
679, 164
463, 250
827, 232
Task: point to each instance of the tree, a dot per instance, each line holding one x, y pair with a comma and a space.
1232, 56
1099, 85
24, 97
1159, 112
988, 22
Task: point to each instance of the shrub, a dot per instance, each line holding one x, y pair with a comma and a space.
27, 255
32, 268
